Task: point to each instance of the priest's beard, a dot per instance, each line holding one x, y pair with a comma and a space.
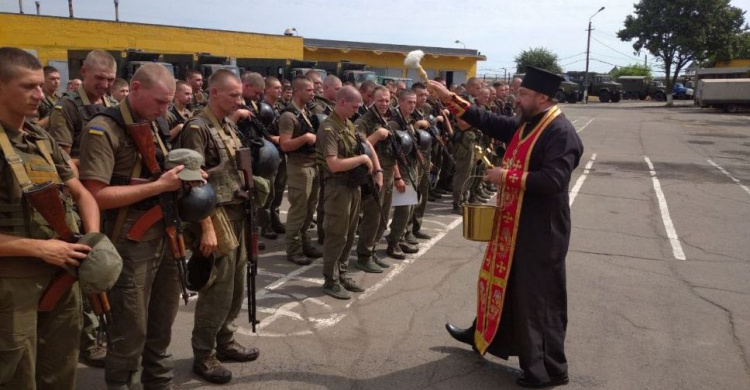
527, 113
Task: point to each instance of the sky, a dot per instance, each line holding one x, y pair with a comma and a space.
499, 29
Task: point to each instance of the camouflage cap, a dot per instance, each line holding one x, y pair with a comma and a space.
192, 161
100, 269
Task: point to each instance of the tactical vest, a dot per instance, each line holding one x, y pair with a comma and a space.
86, 112
305, 127
225, 177
18, 217
382, 148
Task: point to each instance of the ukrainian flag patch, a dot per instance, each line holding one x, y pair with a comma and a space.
95, 130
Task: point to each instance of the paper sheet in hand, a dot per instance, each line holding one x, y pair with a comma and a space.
407, 198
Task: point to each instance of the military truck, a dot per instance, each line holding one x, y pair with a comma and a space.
355, 73
640, 88
383, 80
132, 59
600, 85
728, 95
568, 91
208, 64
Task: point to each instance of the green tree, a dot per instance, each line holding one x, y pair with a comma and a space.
679, 32
633, 70
539, 57
738, 47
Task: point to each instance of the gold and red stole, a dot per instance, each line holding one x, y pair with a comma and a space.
498, 258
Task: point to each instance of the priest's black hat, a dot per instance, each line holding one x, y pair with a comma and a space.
542, 81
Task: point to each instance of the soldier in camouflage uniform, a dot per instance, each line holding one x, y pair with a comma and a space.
270, 210
219, 303
39, 350
337, 156
67, 122
51, 95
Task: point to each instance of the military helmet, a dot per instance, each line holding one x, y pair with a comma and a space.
424, 139
404, 140
317, 120
266, 114
367, 149
266, 159
200, 271
100, 269
197, 203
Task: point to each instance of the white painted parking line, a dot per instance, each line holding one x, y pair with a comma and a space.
674, 240
585, 126
729, 175
581, 179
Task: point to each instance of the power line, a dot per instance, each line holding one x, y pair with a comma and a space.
581, 53
615, 50
613, 57
574, 62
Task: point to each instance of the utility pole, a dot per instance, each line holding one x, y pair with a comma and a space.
38, 8
588, 49
70, 7
20, 7
646, 60
117, 10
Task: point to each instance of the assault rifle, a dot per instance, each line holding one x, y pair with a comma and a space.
45, 199
395, 143
244, 159
143, 137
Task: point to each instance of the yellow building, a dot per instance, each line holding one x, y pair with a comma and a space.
454, 65
64, 42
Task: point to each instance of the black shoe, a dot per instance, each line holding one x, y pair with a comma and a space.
457, 210
93, 357
465, 336
560, 380
299, 259
235, 352
268, 233
432, 198
261, 246
310, 251
422, 236
436, 195
211, 370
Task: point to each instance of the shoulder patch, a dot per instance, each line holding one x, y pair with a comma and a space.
195, 127
328, 128
58, 106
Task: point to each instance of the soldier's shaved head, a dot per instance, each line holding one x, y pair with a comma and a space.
100, 59
254, 80
148, 75
405, 94
379, 90
331, 80
12, 58
300, 84
348, 94
220, 77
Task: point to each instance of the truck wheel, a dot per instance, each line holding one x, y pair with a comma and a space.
616, 97
573, 97
560, 96
626, 95
604, 97
730, 108
636, 96
660, 97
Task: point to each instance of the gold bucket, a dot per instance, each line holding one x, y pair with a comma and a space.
479, 219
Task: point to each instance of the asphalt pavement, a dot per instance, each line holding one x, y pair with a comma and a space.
658, 272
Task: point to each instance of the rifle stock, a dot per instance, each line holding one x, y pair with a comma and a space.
244, 159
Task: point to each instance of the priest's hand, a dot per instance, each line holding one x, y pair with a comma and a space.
442, 92
494, 175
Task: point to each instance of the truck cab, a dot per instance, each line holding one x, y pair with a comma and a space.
355, 74
681, 92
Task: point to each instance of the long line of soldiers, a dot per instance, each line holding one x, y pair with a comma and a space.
340, 152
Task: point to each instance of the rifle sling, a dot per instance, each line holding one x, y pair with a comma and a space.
16, 163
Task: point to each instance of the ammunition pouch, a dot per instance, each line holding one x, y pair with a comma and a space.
226, 239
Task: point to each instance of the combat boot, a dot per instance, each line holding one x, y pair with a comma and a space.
311, 251
457, 209
299, 259
366, 264
349, 284
93, 357
409, 238
334, 289
380, 262
268, 233
276, 224
421, 235
211, 370
235, 352
395, 251
408, 248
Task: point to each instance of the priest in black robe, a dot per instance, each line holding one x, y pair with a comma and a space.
534, 313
